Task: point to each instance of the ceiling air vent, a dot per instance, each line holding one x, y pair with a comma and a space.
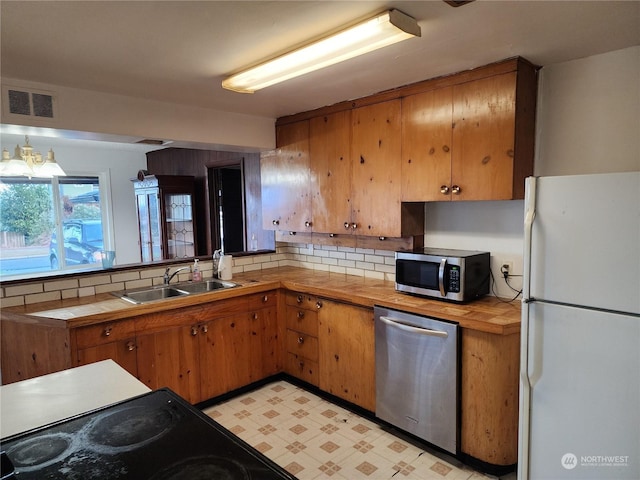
30, 103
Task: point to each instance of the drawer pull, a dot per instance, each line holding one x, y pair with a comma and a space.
204, 328
254, 316
194, 331
299, 299
265, 299
131, 346
318, 304
300, 340
107, 331
300, 315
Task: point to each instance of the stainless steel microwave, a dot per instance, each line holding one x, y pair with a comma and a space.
445, 274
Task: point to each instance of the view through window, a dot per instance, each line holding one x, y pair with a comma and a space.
50, 224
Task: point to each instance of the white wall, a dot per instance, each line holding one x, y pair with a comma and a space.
120, 162
589, 115
104, 113
588, 121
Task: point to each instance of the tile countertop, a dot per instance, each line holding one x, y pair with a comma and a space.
487, 314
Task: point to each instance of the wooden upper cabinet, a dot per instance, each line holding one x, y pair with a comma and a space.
483, 138
375, 154
426, 145
329, 146
285, 180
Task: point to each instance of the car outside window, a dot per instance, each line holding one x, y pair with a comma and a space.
35, 213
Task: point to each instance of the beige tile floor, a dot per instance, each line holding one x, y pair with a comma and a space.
315, 439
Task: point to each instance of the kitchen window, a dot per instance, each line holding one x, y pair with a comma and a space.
52, 225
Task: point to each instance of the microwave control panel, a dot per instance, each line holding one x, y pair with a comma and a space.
454, 279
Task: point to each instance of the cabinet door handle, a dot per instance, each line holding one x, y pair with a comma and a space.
254, 316
444, 189
265, 299
300, 315
354, 226
276, 222
456, 190
204, 328
318, 304
346, 225
300, 340
107, 331
307, 224
299, 298
194, 331
131, 346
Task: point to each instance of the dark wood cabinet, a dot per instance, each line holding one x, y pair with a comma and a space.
166, 217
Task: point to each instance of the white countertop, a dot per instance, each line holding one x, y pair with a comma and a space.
49, 398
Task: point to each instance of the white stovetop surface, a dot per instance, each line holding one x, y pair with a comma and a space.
39, 401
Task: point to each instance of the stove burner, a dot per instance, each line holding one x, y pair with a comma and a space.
204, 468
128, 428
40, 452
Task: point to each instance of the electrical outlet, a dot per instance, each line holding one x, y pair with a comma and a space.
506, 268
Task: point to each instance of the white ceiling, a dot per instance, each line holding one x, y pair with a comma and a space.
179, 51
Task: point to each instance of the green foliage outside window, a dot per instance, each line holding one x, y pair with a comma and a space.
26, 209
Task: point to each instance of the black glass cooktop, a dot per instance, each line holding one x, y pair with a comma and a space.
156, 436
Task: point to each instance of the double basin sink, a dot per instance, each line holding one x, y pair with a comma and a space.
171, 291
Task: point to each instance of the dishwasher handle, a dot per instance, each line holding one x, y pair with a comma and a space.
394, 322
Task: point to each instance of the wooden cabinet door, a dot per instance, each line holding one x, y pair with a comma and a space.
214, 355
265, 350
376, 156
122, 352
426, 146
286, 201
483, 138
330, 162
112, 340
347, 353
169, 358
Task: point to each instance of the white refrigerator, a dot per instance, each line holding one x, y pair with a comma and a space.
580, 350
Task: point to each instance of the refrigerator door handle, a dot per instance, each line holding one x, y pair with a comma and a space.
525, 383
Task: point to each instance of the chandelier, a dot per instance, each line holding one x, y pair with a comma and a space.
27, 163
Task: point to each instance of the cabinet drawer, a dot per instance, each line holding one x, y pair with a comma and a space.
302, 320
262, 300
302, 368
302, 344
104, 333
301, 300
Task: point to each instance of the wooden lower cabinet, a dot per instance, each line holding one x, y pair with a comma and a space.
115, 340
347, 353
489, 396
199, 352
301, 337
169, 358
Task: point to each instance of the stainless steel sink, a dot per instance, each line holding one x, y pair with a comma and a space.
179, 290
206, 286
151, 294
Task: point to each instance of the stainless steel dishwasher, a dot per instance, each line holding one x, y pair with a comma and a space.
417, 376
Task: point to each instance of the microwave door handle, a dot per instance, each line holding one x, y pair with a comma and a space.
394, 322
443, 264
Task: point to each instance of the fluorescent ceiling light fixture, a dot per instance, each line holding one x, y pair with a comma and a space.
385, 29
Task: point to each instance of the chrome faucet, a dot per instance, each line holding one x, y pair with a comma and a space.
168, 278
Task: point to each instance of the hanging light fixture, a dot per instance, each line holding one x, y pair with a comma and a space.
26, 163
385, 29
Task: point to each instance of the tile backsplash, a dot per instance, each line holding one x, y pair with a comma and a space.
352, 261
